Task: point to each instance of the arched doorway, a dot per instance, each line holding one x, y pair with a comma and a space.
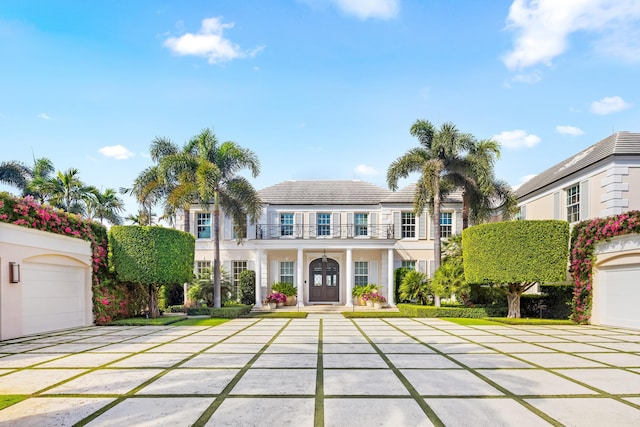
324, 280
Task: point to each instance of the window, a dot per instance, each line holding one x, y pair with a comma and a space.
361, 222
237, 267
203, 225
244, 233
446, 220
361, 273
324, 224
286, 224
410, 264
286, 272
573, 203
408, 225
203, 269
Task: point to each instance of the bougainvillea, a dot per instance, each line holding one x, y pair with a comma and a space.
584, 238
110, 299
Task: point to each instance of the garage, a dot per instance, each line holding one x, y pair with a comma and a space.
53, 297
620, 295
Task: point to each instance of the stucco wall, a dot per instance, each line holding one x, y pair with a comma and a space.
29, 247
633, 195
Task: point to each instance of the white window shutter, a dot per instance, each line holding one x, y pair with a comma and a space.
335, 223
227, 226
373, 272
422, 226
273, 228
584, 200
457, 219
251, 265
432, 268
297, 226
397, 225
313, 225
226, 266
374, 228
251, 230
422, 266
523, 212
397, 263
350, 226
275, 272
556, 205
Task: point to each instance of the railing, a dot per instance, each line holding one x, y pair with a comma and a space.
347, 231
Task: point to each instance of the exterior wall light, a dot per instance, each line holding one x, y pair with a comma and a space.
14, 272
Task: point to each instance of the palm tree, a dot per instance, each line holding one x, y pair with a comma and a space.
105, 205
205, 172
67, 191
41, 174
15, 173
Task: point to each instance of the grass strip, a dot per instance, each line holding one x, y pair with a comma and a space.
530, 321
142, 321
11, 399
371, 314
318, 416
201, 322
280, 315
466, 321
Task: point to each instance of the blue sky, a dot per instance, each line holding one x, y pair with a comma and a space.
319, 89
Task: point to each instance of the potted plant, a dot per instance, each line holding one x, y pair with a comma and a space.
360, 291
377, 300
288, 290
274, 299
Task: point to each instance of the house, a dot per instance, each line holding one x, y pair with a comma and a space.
326, 237
600, 181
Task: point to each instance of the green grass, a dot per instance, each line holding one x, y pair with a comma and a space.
531, 321
201, 322
280, 315
11, 399
469, 321
371, 314
141, 321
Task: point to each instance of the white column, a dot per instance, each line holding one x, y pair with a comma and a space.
391, 300
349, 298
258, 302
300, 278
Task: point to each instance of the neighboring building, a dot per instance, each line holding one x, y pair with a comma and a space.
601, 180
327, 237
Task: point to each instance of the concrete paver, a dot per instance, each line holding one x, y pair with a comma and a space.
265, 372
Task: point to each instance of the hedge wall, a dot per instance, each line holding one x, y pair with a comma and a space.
412, 310
516, 251
151, 255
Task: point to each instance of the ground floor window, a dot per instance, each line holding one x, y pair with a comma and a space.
286, 272
361, 273
410, 264
237, 267
203, 269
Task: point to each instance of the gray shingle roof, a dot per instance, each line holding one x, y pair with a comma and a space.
405, 195
323, 192
618, 144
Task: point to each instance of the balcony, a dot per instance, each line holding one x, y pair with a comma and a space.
347, 231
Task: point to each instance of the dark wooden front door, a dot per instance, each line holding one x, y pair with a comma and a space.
324, 281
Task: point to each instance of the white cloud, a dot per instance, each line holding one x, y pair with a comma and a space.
517, 138
209, 43
569, 130
365, 170
608, 105
44, 116
530, 78
543, 27
364, 9
118, 152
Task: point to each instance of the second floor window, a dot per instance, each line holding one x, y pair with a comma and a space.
361, 273
286, 224
324, 224
203, 225
286, 271
573, 203
410, 264
446, 222
408, 225
361, 222
244, 233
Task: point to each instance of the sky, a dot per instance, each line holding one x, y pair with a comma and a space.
318, 89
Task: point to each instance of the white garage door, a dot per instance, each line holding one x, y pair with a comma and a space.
620, 293
53, 297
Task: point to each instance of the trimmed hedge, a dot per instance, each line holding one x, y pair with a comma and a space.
151, 255
412, 310
516, 252
198, 311
230, 312
371, 314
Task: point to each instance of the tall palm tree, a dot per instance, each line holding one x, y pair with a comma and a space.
105, 205
67, 191
41, 174
15, 173
441, 152
205, 171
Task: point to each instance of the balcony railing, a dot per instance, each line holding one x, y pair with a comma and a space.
347, 231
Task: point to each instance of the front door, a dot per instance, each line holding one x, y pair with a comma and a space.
324, 281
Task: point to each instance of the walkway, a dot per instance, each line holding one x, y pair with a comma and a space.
325, 370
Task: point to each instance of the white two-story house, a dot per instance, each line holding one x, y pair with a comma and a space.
326, 237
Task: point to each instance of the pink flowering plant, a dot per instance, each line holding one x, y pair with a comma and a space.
584, 237
110, 300
376, 297
276, 297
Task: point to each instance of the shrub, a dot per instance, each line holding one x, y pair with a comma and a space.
398, 275
175, 309
284, 288
415, 287
247, 284
412, 310
198, 311
230, 312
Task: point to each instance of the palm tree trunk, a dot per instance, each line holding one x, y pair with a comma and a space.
187, 220
216, 260
437, 243
465, 210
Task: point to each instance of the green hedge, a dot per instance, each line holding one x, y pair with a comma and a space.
230, 312
516, 252
151, 255
199, 311
371, 314
412, 310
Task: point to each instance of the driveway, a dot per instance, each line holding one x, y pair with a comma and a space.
324, 370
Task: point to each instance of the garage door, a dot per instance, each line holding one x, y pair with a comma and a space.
620, 293
53, 297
